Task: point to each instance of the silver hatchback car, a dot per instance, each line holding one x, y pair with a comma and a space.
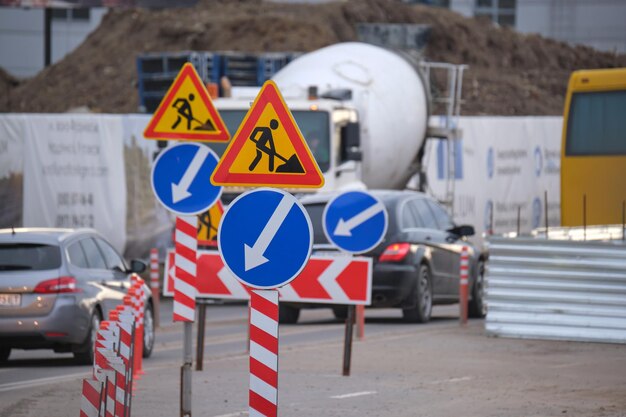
56, 285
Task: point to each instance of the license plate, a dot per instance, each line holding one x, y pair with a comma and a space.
10, 300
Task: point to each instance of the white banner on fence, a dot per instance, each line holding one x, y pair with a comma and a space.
11, 169
501, 165
148, 223
94, 170
74, 174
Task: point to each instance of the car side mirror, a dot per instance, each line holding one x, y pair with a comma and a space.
137, 266
463, 230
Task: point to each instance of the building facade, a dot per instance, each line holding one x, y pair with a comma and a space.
22, 36
600, 24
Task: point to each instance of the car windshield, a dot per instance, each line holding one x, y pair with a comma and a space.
29, 256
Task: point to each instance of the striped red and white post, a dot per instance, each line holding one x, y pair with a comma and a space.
122, 370
464, 282
154, 284
186, 237
103, 371
263, 400
115, 384
125, 323
99, 361
129, 303
126, 326
91, 400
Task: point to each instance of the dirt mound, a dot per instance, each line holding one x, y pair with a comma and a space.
509, 74
7, 84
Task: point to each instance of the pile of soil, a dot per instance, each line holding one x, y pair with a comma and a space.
7, 84
509, 73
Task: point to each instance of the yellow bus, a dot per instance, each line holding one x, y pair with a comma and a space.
593, 153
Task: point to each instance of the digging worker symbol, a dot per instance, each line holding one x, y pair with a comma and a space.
205, 221
262, 137
183, 107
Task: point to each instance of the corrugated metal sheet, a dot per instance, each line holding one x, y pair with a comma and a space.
557, 289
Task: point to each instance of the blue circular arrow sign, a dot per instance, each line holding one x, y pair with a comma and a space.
181, 178
265, 238
355, 221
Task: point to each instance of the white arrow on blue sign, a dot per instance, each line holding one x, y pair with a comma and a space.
181, 178
265, 238
355, 221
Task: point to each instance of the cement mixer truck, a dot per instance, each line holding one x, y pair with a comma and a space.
362, 109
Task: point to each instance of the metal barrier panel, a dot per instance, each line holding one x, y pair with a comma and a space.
557, 289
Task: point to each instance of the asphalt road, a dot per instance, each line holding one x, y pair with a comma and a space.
437, 369
225, 334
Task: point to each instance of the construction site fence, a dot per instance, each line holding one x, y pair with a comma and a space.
559, 288
156, 71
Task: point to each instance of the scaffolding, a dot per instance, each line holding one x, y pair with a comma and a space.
444, 82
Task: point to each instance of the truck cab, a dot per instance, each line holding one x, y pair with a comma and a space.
329, 126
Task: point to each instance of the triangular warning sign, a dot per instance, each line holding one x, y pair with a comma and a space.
268, 149
186, 112
208, 223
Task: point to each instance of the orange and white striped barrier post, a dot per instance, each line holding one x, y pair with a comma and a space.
122, 370
126, 326
106, 364
130, 304
140, 308
135, 293
91, 400
154, 284
463, 285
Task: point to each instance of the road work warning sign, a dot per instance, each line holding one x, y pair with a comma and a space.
208, 223
268, 149
187, 113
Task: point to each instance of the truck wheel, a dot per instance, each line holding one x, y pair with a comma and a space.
288, 314
148, 331
340, 313
5, 352
477, 307
422, 298
85, 352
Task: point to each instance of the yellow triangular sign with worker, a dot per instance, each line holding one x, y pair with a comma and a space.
208, 223
268, 149
186, 112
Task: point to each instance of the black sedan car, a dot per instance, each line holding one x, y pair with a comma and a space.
417, 264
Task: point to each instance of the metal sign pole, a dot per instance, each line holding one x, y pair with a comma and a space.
200, 339
347, 346
185, 410
360, 325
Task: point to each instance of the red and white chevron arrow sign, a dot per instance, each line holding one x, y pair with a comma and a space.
325, 279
